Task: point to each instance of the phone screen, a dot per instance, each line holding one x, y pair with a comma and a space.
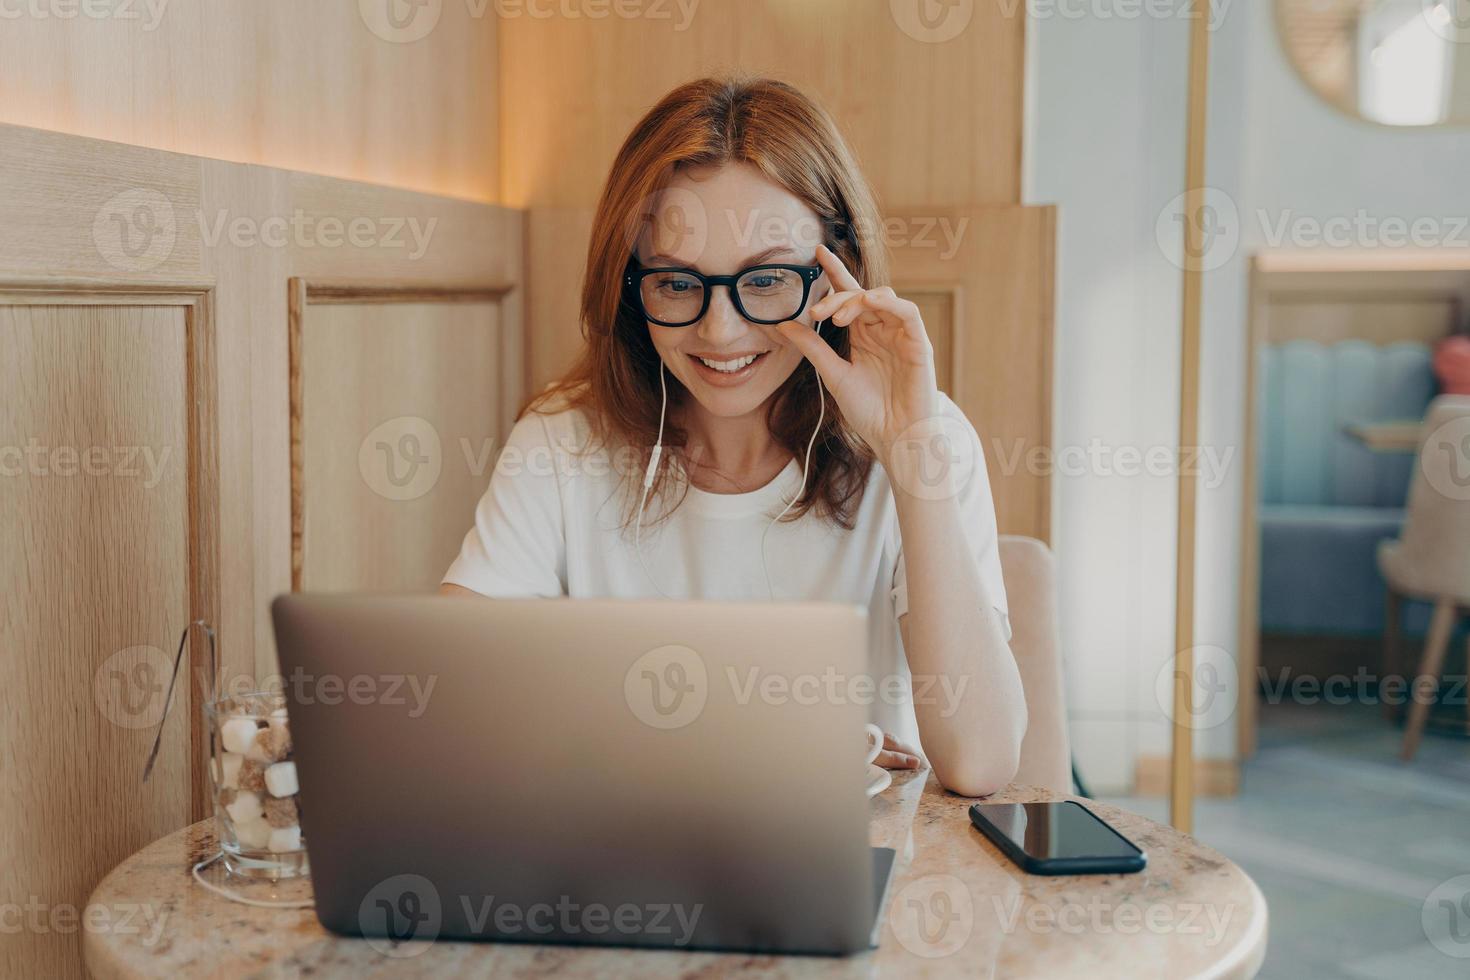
1055, 831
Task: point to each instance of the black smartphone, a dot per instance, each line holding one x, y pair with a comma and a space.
1057, 838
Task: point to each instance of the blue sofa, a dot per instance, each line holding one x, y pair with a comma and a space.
1326, 500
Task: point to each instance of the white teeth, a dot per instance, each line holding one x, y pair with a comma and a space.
728, 367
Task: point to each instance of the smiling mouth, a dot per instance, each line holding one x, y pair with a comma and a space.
730, 366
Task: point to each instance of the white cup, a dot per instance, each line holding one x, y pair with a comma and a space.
875, 743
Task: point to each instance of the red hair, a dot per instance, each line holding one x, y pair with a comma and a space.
774, 128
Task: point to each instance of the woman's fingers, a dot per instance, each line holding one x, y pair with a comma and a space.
885, 300
836, 272
881, 305
823, 307
896, 760
898, 754
893, 743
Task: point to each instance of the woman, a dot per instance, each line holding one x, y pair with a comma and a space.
710, 443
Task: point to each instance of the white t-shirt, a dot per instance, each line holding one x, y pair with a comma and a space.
551, 524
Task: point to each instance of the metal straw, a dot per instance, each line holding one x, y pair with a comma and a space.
174, 676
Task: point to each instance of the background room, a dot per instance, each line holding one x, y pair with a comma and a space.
275, 279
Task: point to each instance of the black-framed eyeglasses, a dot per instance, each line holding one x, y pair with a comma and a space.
676, 297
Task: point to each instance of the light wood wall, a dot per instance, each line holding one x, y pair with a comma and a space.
330, 88
144, 353
397, 421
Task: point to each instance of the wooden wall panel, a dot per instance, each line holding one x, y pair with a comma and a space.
300, 86
942, 309
107, 530
988, 280
165, 280
400, 428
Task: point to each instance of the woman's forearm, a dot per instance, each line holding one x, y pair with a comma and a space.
968, 698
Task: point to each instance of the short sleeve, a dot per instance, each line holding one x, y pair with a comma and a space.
977, 510
517, 547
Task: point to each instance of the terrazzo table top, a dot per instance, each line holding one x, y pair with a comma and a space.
956, 907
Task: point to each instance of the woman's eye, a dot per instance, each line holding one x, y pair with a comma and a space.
675, 285
765, 280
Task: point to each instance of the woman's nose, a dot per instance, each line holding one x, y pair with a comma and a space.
722, 322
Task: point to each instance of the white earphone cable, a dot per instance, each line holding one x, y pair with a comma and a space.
235, 897
805, 462
648, 474
658, 448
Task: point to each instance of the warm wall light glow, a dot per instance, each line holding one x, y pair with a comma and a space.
303, 87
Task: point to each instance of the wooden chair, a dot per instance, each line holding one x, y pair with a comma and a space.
1431, 558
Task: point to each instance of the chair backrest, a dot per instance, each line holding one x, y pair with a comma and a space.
1435, 542
1029, 570
1309, 392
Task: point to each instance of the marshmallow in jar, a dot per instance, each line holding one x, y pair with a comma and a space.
256, 777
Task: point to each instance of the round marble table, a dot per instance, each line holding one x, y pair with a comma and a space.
956, 907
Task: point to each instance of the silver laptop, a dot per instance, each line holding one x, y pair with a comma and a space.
639, 773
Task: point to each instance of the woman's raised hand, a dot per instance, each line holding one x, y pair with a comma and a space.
888, 386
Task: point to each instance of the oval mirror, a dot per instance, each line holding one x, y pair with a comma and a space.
1397, 62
